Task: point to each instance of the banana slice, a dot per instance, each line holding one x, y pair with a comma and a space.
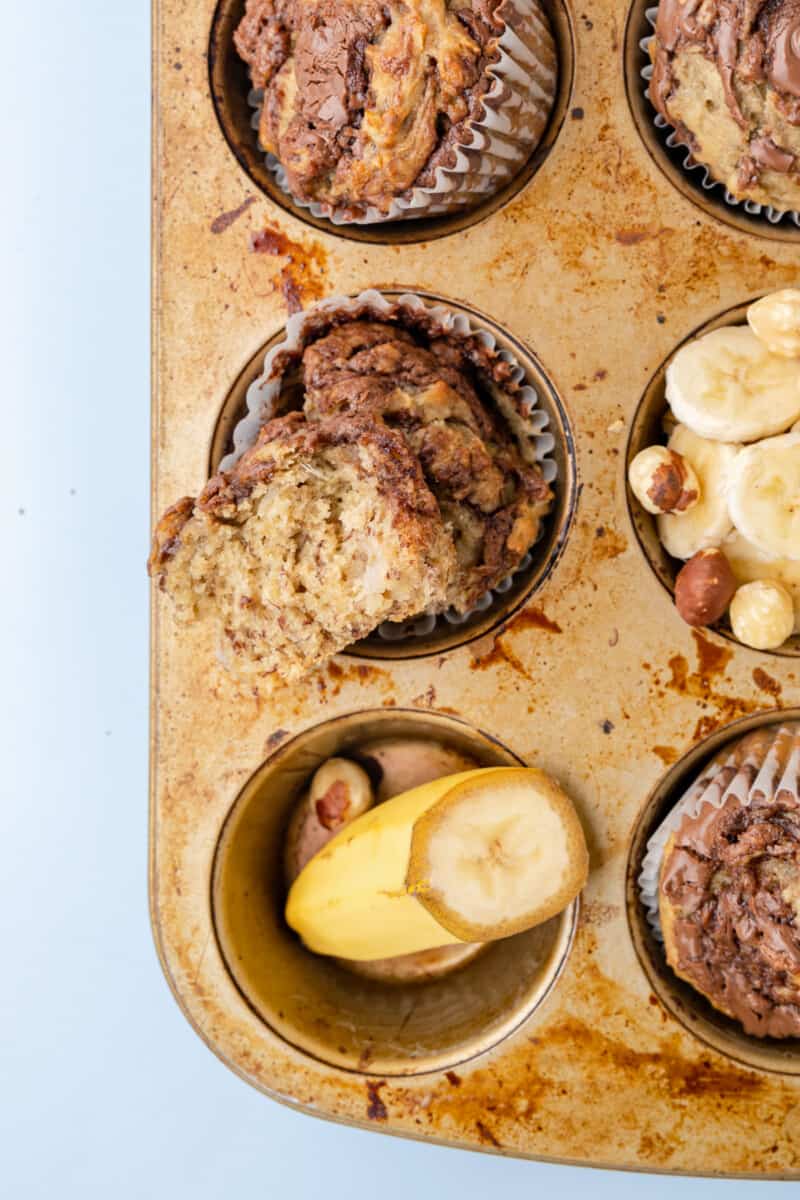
471, 857
749, 565
727, 385
764, 498
707, 523
490, 865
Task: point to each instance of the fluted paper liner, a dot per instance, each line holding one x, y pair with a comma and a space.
516, 108
672, 141
763, 763
527, 420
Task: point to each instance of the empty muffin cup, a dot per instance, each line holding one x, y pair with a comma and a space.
322, 1006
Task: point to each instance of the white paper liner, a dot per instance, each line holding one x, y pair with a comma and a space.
762, 763
516, 110
673, 142
265, 391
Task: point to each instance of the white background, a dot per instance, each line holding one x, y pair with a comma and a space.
104, 1089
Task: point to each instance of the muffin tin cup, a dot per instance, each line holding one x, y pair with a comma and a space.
318, 1005
646, 430
675, 157
259, 395
523, 112
516, 109
678, 794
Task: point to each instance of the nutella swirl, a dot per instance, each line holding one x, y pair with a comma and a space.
730, 894
754, 46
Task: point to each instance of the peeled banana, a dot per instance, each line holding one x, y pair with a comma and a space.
729, 386
470, 857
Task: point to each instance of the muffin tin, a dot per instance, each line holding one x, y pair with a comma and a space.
600, 266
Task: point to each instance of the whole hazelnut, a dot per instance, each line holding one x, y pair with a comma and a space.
775, 320
704, 587
662, 481
762, 614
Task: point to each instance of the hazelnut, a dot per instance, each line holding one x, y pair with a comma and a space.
775, 320
662, 481
340, 791
704, 588
762, 614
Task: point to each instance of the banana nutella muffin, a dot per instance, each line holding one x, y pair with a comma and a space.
395, 473
729, 883
318, 533
726, 76
361, 103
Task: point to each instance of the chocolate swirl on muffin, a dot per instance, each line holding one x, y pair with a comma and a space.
397, 475
363, 101
726, 76
729, 891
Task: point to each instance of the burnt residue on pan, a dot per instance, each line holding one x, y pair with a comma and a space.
302, 275
717, 707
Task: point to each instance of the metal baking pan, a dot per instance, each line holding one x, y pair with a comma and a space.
597, 265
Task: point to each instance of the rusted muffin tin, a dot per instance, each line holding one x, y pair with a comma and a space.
599, 265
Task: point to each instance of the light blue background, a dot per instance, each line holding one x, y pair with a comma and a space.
105, 1091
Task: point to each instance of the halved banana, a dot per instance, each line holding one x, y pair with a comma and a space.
705, 524
471, 857
764, 497
727, 385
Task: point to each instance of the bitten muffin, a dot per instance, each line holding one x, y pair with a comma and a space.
364, 101
396, 475
456, 405
729, 885
726, 76
318, 534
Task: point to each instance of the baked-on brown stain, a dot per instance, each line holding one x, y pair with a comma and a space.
532, 618
362, 674
376, 1109
501, 653
226, 219
632, 237
275, 738
486, 1134
608, 543
667, 754
301, 278
765, 683
712, 660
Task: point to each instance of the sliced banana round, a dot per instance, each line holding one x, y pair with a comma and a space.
764, 498
489, 863
775, 320
708, 522
749, 564
727, 385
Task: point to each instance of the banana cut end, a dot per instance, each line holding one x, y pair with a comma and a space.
498, 854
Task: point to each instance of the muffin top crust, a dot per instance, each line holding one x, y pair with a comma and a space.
730, 895
456, 405
363, 99
726, 75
